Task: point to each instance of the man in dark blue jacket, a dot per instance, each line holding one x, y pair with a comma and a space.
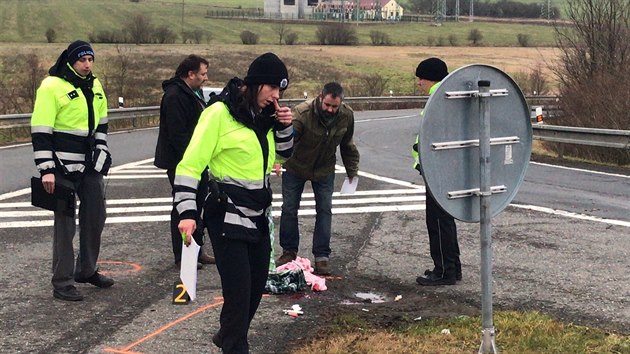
180, 108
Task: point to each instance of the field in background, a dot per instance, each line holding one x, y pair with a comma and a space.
28, 20
309, 66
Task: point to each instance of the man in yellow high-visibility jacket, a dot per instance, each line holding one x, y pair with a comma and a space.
69, 133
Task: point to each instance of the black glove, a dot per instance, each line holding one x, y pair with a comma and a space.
102, 161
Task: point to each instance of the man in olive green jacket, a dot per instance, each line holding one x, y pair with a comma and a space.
320, 126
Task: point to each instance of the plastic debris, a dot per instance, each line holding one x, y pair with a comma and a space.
365, 310
446, 331
295, 311
398, 297
417, 318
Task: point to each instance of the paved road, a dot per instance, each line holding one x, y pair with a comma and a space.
562, 249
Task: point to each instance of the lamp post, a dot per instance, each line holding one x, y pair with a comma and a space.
182, 18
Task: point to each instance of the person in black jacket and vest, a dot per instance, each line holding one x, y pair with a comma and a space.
181, 105
443, 245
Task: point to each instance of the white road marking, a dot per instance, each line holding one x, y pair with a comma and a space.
579, 169
572, 214
410, 198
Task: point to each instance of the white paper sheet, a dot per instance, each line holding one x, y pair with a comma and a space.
348, 187
188, 270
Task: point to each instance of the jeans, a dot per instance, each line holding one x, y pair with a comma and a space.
292, 188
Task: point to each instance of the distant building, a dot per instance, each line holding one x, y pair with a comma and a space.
368, 10
334, 9
289, 9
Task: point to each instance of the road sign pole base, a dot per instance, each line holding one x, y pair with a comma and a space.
488, 345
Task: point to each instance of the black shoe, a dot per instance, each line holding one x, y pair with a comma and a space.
206, 259
458, 275
98, 280
286, 257
217, 340
68, 293
322, 268
433, 280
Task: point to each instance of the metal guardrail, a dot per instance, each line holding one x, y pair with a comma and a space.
152, 111
610, 138
23, 119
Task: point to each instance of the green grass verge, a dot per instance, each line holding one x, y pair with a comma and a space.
516, 332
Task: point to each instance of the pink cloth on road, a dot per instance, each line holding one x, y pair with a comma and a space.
316, 283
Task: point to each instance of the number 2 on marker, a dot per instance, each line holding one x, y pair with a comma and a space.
180, 296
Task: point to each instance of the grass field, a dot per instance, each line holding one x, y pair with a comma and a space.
309, 66
28, 20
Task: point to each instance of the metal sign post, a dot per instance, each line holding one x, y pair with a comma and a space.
488, 344
475, 144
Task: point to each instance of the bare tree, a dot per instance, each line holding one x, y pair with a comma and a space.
281, 30
164, 35
598, 41
51, 35
117, 72
21, 76
336, 34
197, 36
593, 70
533, 82
374, 84
249, 37
139, 29
475, 36
291, 38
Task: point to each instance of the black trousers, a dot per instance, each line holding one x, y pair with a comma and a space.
243, 268
176, 237
442, 240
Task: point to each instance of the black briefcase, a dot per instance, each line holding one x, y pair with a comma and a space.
62, 197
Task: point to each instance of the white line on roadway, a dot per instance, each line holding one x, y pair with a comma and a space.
142, 169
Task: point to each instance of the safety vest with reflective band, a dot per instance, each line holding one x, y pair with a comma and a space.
415, 149
239, 160
60, 127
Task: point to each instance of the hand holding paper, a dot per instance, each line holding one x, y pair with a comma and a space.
187, 227
349, 185
188, 270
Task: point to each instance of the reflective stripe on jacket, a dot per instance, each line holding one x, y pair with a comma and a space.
59, 125
415, 150
236, 160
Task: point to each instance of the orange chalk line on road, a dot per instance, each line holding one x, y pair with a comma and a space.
164, 328
116, 351
135, 267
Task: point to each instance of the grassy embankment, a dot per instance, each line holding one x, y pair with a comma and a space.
25, 21
516, 333
28, 20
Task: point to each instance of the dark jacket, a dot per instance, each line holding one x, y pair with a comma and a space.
315, 143
179, 112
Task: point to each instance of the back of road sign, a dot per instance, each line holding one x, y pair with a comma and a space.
449, 141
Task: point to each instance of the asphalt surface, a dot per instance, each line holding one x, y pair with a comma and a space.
565, 264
